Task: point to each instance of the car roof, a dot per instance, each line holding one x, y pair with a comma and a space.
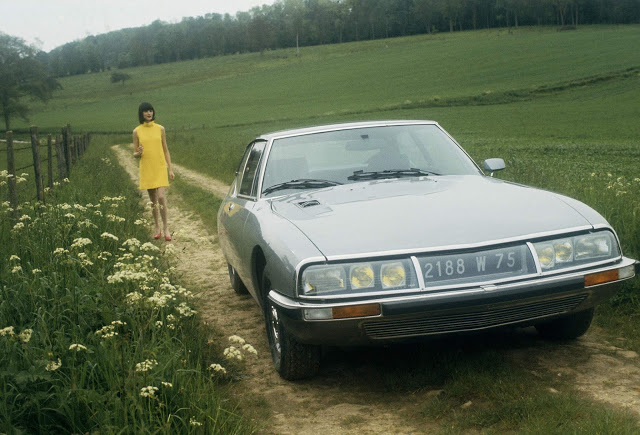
342, 126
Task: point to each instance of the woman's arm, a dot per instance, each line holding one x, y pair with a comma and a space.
167, 156
137, 148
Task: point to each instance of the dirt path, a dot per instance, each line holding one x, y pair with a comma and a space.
350, 395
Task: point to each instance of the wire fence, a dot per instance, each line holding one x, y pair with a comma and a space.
65, 149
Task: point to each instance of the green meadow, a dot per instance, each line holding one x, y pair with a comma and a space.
561, 108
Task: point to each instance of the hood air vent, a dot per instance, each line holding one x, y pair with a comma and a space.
311, 203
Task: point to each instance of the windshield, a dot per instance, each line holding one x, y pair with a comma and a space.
370, 153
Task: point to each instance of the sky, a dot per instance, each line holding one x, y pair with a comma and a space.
47, 24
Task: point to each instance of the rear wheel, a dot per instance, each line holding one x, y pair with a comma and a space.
236, 282
292, 360
567, 327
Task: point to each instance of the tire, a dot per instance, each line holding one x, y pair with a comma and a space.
236, 282
292, 360
568, 327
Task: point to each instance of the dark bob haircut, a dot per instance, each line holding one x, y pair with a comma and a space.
143, 108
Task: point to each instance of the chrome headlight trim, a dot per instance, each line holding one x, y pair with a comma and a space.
359, 277
577, 251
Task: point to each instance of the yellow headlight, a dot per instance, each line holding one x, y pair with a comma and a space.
393, 275
362, 276
563, 250
546, 255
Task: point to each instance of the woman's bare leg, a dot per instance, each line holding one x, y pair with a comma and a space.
162, 205
153, 196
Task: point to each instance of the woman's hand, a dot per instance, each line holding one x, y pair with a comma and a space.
138, 153
171, 174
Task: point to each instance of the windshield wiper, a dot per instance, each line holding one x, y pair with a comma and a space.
390, 173
304, 183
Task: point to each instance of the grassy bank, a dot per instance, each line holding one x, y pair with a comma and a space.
95, 333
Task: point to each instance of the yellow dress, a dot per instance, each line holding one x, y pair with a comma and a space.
153, 166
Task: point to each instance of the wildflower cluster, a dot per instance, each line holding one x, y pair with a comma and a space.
109, 331
236, 351
149, 391
146, 365
621, 185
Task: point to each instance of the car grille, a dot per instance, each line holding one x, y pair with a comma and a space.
469, 321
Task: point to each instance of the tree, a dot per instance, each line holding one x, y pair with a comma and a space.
119, 77
22, 75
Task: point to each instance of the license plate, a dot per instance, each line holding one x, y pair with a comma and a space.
475, 266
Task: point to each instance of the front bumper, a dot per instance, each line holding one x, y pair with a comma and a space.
463, 310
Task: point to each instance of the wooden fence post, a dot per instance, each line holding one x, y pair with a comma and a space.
62, 165
49, 162
76, 145
66, 142
35, 149
11, 180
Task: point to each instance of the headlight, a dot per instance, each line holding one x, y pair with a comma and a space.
574, 251
357, 277
323, 279
393, 275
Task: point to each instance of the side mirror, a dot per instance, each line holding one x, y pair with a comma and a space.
493, 165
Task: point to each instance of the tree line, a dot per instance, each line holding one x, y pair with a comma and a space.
294, 23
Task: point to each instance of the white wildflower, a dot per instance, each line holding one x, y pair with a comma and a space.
185, 310
114, 218
52, 366
7, 331
149, 247
146, 365
148, 391
14, 258
25, 335
236, 339
250, 349
232, 352
133, 297
77, 347
106, 235
194, 422
218, 368
81, 242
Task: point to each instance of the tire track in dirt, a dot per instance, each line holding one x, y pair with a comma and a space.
349, 397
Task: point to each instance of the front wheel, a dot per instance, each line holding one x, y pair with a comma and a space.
236, 282
292, 360
568, 327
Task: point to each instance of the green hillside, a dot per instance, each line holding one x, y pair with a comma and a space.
521, 86
354, 77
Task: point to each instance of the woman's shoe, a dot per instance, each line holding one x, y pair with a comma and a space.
157, 236
167, 237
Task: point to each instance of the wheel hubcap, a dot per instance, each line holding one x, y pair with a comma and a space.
274, 322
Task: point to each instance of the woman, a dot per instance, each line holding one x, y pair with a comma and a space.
150, 146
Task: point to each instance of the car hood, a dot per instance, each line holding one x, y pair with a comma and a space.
427, 213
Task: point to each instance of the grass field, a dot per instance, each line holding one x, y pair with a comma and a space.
562, 109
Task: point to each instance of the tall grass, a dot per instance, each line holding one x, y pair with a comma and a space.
95, 334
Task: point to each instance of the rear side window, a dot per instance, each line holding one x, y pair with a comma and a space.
251, 162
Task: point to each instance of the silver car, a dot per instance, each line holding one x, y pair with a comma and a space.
387, 231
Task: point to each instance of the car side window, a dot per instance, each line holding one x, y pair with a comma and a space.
248, 184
